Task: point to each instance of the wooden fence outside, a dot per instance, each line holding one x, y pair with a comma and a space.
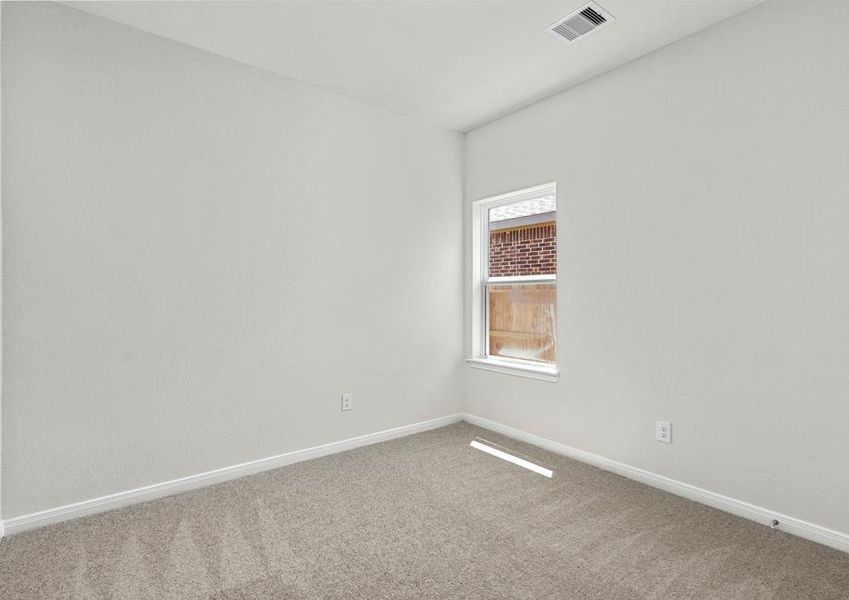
522, 321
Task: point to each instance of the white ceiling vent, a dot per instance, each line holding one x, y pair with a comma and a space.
586, 19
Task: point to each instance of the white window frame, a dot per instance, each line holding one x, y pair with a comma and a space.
480, 357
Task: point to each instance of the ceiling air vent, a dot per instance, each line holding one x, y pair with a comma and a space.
581, 22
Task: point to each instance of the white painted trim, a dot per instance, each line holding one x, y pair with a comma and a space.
522, 279
527, 193
804, 529
183, 484
508, 367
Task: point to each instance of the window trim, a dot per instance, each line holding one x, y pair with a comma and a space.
479, 351
530, 370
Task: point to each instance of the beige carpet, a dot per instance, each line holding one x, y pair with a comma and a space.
420, 517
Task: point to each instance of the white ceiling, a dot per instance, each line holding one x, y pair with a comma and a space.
454, 63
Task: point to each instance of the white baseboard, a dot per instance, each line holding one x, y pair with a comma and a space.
788, 524
792, 525
183, 484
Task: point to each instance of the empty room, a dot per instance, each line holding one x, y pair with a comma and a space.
425, 299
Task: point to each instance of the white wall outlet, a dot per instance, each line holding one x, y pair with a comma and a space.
347, 401
663, 432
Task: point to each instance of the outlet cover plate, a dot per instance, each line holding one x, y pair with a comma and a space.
663, 432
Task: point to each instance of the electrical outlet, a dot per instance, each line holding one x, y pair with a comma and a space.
663, 432
347, 401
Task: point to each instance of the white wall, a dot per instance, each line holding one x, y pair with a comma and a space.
201, 256
703, 259
2, 526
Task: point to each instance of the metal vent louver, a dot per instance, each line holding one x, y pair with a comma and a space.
585, 20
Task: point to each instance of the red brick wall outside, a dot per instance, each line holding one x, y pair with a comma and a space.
528, 250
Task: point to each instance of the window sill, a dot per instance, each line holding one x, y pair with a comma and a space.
540, 372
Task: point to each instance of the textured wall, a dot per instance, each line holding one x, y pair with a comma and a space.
167, 308
702, 274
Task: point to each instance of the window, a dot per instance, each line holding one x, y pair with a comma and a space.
515, 283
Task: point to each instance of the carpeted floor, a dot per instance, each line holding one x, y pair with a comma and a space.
420, 517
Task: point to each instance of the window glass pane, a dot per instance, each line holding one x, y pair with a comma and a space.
523, 238
522, 320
